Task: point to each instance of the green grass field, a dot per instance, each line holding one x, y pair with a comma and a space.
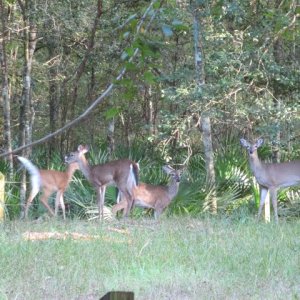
173, 258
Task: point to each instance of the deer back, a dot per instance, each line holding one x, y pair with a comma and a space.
283, 174
57, 180
148, 195
116, 171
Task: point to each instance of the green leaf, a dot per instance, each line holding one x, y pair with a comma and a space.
130, 51
149, 77
131, 66
133, 24
156, 5
130, 93
111, 113
178, 25
126, 82
147, 49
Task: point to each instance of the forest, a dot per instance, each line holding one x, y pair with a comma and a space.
160, 82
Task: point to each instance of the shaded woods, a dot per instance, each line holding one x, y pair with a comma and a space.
164, 81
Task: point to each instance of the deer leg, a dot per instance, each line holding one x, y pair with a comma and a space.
157, 213
120, 205
101, 195
99, 201
59, 201
273, 195
62, 204
56, 203
32, 195
263, 195
129, 201
159, 209
44, 200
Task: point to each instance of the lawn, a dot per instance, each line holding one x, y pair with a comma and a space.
173, 258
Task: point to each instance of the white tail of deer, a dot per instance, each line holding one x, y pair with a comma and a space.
157, 197
271, 176
49, 181
123, 173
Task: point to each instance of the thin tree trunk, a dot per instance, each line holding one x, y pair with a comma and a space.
5, 95
148, 108
277, 137
110, 137
209, 160
54, 96
26, 113
91, 94
205, 124
278, 57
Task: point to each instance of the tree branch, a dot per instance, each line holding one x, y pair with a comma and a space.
99, 100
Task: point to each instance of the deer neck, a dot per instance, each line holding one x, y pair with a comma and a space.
71, 170
173, 188
85, 168
255, 164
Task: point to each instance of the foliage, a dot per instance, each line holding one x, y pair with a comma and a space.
236, 189
251, 74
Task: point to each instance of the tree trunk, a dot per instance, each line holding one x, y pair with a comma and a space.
26, 112
148, 108
205, 124
209, 160
110, 137
54, 97
277, 133
5, 95
278, 57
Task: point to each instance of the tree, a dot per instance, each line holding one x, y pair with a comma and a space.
26, 108
205, 124
5, 86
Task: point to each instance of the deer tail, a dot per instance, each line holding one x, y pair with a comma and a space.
133, 177
135, 170
34, 172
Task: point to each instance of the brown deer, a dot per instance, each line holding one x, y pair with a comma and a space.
157, 197
271, 176
123, 173
49, 181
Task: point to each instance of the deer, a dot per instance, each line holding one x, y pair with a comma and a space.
157, 197
271, 176
49, 181
123, 173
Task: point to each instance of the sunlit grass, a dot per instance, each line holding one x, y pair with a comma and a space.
173, 258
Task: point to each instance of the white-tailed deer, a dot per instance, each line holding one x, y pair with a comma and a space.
271, 176
123, 173
49, 181
157, 197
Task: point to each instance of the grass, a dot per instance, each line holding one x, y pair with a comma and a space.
173, 258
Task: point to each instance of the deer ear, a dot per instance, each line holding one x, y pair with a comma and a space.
83, 149
259, 142
86, 148
244, 143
